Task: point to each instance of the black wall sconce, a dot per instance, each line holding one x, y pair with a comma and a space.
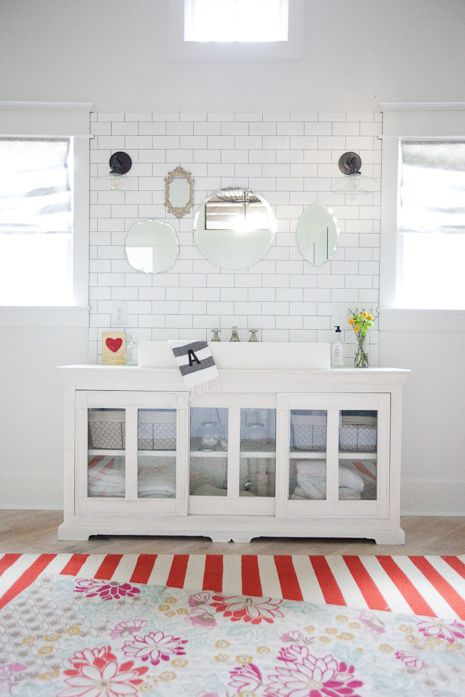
120, 163
350, 163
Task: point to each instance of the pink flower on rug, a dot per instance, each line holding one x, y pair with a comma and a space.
155, 647
253, 610
371, 622
127, 628
198, 599
200, 617
310, 676
96, 673
442, 629
410, 660
106, 590
293, 635
9, 674
246, 678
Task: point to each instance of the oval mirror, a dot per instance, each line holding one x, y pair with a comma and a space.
317, 234
151, 246
235, 228
179, 192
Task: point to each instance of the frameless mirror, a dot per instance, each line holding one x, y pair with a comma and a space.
179, 192
235, 228
151, 246
317, 234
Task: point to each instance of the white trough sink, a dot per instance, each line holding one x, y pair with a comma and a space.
245, 356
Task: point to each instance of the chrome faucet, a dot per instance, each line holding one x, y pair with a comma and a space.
216, 335
253, 335
234, 335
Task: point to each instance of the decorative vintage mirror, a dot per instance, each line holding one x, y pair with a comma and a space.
235, 228
179, 192
151, 246
317, 234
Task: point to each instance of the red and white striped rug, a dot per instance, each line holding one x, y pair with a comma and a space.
423, 585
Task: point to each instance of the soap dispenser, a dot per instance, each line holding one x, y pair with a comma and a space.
337, 349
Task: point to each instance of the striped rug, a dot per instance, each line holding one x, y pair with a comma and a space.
422, 585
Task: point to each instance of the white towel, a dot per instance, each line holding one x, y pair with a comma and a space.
196, 364
311, 478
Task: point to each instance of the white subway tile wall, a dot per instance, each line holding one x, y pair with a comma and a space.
290, 158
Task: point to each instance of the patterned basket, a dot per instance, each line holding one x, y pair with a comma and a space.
157, 429
358, 434
308, 431
107, 429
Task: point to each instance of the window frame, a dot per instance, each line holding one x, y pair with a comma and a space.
403, 122
71, 120
217, 52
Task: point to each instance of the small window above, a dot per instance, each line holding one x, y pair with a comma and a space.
236, 20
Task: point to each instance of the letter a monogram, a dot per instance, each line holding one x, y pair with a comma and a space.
192, 357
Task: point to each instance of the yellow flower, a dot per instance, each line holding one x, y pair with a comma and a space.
356, 329
244, 659
74, 630
221, 657
44, 650
341, 618
345, 635
171, 600
180, 662
324, 639
354, 625
163, 608
51, 637
364, 314
171, 613
331, 630
222, 644
167, 675
309, 628
351, 320
263, 649
386, 647
181, 611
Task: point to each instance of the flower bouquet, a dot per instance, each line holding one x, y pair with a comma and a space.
361, 322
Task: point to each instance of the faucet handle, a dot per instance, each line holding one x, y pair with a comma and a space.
253, 335
234, 334
216, 335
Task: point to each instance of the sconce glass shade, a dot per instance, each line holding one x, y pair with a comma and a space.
120, 164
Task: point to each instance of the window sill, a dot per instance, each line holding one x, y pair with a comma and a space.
44, 316
401, 319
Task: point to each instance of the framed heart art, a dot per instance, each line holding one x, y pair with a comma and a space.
113, 348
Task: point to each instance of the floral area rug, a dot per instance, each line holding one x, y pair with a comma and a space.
80, 637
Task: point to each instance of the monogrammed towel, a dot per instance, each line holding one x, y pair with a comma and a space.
196, 364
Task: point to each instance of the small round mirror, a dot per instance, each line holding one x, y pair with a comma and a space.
235, 228
151, 246
317, 234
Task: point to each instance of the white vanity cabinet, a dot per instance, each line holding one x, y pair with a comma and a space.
270, 453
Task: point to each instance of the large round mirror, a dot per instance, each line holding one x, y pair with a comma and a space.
235, 228
317, 234
151, 246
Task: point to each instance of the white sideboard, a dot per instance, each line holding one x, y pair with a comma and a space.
295, 453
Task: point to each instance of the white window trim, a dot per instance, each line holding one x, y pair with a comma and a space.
52, 119
403, 121
211, 52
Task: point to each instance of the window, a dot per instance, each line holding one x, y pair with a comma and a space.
36, 221
236, 20
431, 225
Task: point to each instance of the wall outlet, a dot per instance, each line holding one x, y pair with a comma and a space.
119, 313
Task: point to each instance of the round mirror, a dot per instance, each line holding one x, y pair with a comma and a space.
151, 246
235, 228
317, 234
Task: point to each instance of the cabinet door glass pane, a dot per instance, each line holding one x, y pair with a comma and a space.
307, 458
106, 455
358, 446
208, 446
258, 452
156, 456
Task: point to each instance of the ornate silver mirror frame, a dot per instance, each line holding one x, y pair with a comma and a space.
179, 192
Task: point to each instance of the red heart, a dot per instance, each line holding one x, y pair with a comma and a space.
113, 344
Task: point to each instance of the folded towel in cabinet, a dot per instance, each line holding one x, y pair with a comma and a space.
311, 478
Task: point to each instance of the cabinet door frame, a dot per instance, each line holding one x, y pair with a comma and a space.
332, 507
131, 402
232, 503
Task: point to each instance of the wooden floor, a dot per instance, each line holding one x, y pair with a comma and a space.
36, 531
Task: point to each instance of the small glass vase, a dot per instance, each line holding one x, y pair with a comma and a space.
361, 357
